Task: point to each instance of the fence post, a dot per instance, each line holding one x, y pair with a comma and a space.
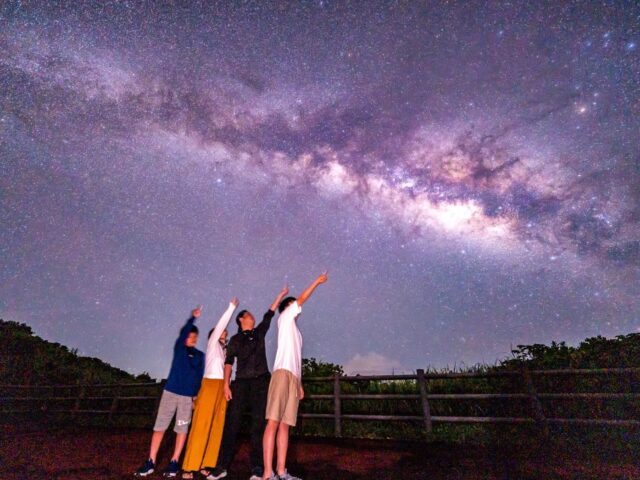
337, 407
44, 406
426, 411
536, 405
76, 406
114, 406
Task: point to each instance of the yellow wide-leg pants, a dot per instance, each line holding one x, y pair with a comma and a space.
207, 425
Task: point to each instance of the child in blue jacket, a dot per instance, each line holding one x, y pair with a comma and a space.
178, 396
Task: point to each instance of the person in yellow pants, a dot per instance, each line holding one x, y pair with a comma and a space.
207, 425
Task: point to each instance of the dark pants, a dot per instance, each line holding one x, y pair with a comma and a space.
250, 393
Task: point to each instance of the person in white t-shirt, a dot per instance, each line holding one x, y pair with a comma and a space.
285, 388
211, 405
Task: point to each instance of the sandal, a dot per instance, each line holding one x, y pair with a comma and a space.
187, 475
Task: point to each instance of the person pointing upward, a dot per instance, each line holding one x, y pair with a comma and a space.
285, 388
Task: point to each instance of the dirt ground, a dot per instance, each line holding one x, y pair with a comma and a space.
92, 454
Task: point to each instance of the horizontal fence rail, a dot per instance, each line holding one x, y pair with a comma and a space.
108, 399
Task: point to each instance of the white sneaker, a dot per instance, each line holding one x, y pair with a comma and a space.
287, 476
217, 473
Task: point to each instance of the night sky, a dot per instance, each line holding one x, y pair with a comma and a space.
469, 174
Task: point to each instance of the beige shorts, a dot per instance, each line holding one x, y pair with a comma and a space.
282, 399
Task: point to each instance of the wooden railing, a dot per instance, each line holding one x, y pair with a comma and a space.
73, 399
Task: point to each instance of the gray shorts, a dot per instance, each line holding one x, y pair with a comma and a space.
170, 404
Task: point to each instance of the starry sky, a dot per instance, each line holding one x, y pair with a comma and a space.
468, 173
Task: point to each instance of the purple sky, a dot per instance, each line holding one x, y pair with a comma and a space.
469, 174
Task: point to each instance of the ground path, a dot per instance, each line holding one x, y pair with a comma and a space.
92, 454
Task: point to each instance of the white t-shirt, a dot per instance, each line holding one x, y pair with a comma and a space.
289, 354
214, 358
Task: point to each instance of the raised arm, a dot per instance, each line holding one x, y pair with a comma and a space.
304, 296
283, 293
186, 329
223, 322
263, 326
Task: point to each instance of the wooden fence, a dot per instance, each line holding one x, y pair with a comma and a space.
73, 399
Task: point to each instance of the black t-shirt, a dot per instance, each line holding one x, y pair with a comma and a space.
248, 347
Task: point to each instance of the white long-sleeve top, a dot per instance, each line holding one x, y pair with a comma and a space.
214, 358
289, 353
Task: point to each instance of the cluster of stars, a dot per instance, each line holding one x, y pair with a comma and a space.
459, 170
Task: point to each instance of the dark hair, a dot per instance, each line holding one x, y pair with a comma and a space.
194, 329
285, 303
210, 332
239, 316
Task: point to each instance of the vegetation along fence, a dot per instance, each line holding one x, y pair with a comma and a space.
594, 397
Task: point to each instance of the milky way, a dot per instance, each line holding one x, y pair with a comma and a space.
468, 174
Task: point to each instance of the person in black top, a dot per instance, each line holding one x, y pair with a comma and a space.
249, 388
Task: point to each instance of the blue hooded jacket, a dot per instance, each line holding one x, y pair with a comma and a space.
187, 366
